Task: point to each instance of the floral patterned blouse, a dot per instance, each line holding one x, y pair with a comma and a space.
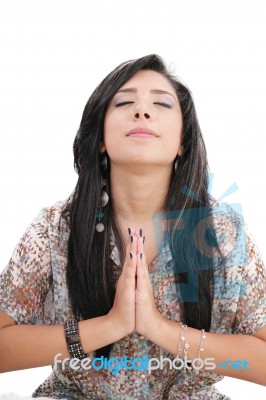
33, 290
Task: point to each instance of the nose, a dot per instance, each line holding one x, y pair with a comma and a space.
141, 110
146, 115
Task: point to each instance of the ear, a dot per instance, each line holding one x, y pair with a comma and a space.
180, 150
102, 147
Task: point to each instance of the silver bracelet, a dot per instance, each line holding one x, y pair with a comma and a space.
183, 338
201, 348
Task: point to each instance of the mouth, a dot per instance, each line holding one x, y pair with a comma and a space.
142, 132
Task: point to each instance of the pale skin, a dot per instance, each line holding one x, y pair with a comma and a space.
140, 176
140, 173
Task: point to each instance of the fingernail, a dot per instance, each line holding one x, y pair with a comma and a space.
129, 231
140, 232
140, 255
143, 239
131, 238
131, 255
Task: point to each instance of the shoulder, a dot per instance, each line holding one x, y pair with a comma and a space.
225, 213
233, 234
241, 260
240, 275
230, 230
57, 214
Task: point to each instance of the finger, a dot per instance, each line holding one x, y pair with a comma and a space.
131, 231
144, 264
130, 271
141, 248
130, 261
140, 232
141, 241
142, 269
133, 242
140, 281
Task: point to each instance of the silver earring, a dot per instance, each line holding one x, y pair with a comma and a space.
176, 163
104, 196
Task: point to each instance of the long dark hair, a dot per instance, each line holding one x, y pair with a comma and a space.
89, 274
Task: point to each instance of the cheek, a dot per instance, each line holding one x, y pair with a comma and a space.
174, 133
111, 132
111, 123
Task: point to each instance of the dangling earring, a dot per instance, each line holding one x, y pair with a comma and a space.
104, 196
178, 157
176, 163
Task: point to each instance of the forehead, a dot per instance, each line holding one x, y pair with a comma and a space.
150, 79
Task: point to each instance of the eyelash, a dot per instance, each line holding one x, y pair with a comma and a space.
157, 102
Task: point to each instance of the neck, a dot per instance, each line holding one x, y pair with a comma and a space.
138, 196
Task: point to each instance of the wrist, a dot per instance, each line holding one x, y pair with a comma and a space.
113, 326
155, 330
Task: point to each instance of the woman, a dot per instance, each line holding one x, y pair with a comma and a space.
141, 255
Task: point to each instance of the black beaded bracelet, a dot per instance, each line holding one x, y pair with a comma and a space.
73, 339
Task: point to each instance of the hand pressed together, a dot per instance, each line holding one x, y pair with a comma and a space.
134, 307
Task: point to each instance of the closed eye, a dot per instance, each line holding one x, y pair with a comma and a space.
129, 102
124, 102
163, 104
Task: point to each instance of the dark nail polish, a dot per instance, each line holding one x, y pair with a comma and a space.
131, 238
129, 231
143, 239
140, 232
130, 255
140, 255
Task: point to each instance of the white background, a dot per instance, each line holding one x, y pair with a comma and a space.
54, 54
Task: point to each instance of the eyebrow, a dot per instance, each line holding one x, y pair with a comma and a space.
157, 91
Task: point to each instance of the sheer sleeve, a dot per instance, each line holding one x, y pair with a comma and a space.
25, 281
239, 305
251, 307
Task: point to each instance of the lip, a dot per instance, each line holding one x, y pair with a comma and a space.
142, 132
